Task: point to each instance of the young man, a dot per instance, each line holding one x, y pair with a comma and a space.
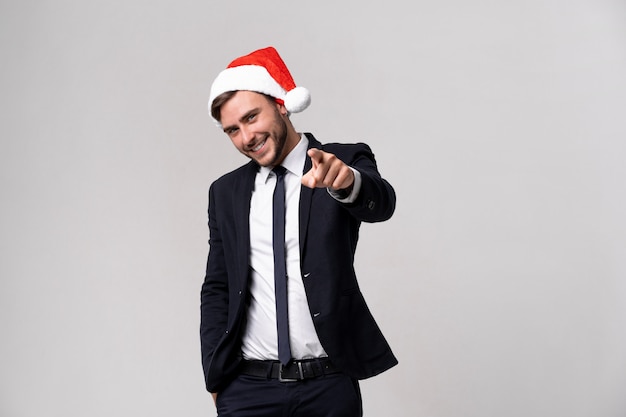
284, 327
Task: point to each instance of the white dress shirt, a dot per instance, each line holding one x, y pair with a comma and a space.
260, 340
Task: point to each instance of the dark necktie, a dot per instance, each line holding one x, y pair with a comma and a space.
280, 272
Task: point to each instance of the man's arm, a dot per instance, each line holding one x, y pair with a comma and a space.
374, 199
214, 293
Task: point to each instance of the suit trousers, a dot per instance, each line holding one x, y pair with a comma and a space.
334, 395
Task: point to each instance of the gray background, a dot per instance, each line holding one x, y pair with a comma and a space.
499, 282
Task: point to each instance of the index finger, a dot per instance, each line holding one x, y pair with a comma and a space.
316, 155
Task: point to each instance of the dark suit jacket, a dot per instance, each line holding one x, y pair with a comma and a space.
328, 239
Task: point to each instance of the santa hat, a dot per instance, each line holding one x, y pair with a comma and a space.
262, 71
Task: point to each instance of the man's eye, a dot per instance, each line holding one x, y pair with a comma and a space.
251, 117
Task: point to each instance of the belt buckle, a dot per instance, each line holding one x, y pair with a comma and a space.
280, 373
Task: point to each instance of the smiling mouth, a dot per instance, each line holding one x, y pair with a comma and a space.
259, 146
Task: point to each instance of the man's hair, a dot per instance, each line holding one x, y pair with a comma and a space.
219, 101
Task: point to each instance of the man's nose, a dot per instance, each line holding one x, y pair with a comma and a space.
247, 136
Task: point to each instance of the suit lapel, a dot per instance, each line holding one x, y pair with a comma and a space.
306, 196
242, 193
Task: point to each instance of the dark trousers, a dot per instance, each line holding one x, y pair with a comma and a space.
334, 395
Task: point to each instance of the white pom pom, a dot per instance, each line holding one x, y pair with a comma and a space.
297, 100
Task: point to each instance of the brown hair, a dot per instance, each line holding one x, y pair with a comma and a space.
218, 102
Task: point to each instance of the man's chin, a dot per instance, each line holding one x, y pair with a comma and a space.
264, 162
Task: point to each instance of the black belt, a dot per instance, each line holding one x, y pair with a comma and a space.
293, 371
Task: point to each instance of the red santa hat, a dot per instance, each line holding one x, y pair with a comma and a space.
265, 72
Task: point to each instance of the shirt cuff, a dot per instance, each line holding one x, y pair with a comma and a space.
348, 195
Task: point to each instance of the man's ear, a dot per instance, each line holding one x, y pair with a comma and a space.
282, 109
280, 105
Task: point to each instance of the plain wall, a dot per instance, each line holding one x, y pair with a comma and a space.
500, 281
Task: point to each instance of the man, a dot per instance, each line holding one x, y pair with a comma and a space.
270, 347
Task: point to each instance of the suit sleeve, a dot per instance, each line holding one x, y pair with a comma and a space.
214, 293
376, 201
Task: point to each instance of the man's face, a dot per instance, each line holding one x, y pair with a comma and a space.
257, 127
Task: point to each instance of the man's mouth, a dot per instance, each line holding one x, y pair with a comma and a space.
259, 146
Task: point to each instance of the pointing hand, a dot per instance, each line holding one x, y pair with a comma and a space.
327, 171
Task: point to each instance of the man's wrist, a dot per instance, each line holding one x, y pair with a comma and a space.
349, 194
343, 193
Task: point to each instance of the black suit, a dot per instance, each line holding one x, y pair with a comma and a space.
328, 240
